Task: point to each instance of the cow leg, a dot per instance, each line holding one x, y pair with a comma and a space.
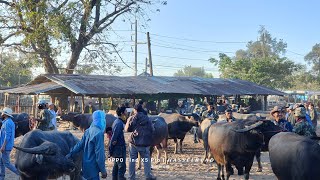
181, 140
247, 168
158, 154
240, 170
258, 157
151, 151
176, 146
219, 171
229, 170
205, 156
165, 147
139, 161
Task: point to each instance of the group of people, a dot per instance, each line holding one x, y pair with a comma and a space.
297, 119
92, 144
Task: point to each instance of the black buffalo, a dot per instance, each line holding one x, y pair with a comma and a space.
83, 121
294, 157
41, 155
22, 123
179, 125
236, 143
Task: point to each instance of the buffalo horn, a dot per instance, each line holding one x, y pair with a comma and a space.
45, 148
248, 128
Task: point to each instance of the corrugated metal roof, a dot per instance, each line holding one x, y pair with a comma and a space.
92, 85
33, 89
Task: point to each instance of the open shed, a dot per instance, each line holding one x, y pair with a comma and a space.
103, 86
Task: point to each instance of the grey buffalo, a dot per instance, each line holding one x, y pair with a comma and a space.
203, 135
41, 155
236, 143
83, 121
179, 125
294, 157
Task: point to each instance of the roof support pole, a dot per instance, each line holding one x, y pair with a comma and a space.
18, 110
6, 100
34, 105
71, 103
159, 106
82, 104
265, 103
100, 103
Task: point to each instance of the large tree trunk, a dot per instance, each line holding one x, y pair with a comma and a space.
73, 62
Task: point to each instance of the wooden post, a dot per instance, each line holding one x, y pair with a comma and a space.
5, 103
36, 109
18, 104
82, 105
71, 103
53, 99
265, 103
100, 103
34, 105
159, 105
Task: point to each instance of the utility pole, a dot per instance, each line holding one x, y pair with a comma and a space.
136, 49
146, 68
149, 52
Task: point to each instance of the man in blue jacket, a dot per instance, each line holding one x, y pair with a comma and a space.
6, 142
92, 145
117, 147
140, 141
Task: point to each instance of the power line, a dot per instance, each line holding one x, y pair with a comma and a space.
192, 50
295, 53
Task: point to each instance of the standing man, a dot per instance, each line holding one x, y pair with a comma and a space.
313, 115
45, 117
6, 142
291, 117
210, 112
89, 108
140, 140
229, 116
117, 147
277, 113
53, 124
92, 145
302, 127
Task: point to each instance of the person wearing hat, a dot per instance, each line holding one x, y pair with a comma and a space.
229, 116
302, 127
313, 115
45, 116
290, 117
140, 140
277, 113
210, 112
7, 134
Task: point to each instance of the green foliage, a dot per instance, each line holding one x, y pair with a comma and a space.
313, 58
14, 70
260, 63
189, 71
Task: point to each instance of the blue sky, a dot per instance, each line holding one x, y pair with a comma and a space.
296, 22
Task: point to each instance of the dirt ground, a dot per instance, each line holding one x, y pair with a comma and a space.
183, 166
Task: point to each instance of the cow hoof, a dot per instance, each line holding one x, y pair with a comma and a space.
259, 170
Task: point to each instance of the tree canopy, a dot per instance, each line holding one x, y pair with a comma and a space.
14, 70
189, 71
262, 63
79, 30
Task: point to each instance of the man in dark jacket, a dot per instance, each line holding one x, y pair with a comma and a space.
140, 141
117, 147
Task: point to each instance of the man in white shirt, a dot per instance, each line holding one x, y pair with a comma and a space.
53, 124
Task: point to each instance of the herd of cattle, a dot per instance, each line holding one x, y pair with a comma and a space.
41, 154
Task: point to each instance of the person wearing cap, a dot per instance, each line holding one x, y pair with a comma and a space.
290, 118
7, 133
45, 116
210, 112
229, 116
117, 147
92, 146
313, 115
277, 113
140, 140
302, 127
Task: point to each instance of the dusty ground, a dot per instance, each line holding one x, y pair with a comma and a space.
189, 169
